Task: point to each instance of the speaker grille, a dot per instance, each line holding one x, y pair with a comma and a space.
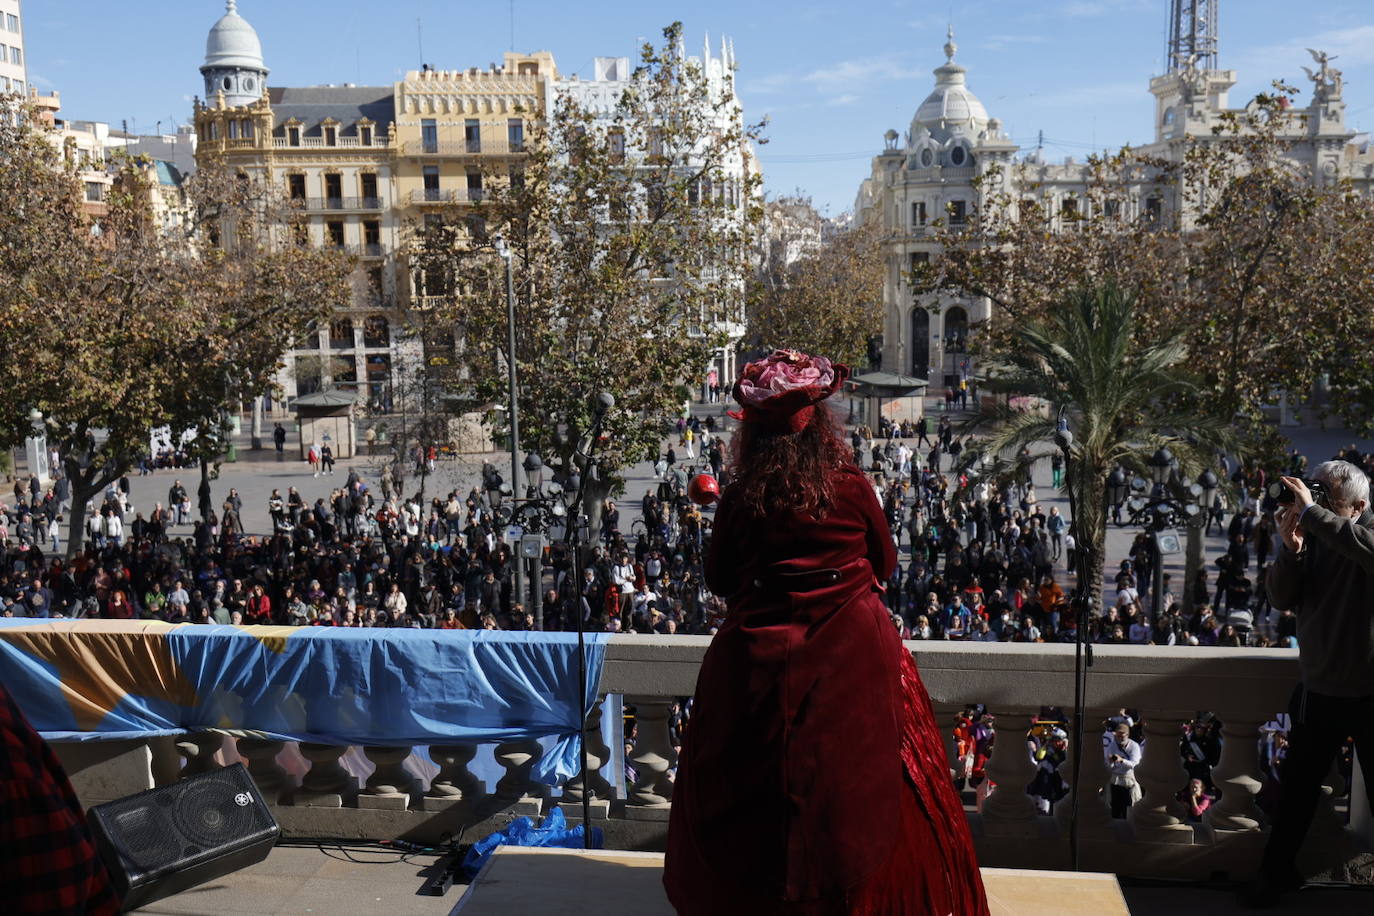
165, 840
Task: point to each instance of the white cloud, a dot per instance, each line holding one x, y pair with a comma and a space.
850, 73
1354, 46
1090, 97
847, 99
998, 42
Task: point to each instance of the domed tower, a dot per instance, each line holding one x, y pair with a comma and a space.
233, 60
951, 108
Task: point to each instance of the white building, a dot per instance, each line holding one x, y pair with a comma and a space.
928, 173
601, 94
14, 66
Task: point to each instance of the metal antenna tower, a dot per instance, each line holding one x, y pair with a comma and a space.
1192, 34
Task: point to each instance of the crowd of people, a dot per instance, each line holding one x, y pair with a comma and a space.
982, 559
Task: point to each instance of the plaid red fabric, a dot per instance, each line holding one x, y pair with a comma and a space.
48, 861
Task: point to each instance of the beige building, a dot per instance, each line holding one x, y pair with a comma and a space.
14, 66
367, 166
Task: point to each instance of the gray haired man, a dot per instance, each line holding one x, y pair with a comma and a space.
1325, 571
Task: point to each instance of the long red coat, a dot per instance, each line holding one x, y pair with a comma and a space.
813, 778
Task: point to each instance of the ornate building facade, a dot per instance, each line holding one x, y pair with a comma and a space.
600, 96
929, 173
365, 165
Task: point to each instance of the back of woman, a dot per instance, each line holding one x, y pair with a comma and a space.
813, 777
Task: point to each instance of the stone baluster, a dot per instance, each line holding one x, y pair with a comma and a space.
199, 750
454, 783
944, 721
519, 757
261, 753
1009, 811
598, 752
1159, 817
1094, 805
651, 797
390, 784
326, 784
1237, 776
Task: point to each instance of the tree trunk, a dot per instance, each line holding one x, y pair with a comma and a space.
82, 491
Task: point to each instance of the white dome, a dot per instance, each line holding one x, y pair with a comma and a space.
951, 103
233, 42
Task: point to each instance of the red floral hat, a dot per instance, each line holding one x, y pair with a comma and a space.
780, 391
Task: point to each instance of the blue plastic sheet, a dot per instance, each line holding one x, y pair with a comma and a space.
93, 680
522, 832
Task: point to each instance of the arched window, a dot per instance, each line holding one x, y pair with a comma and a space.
376, 331
956, 329
920, 342
341, 334
958, 156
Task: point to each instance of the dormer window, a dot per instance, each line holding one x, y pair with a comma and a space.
958, 156
293, 136
365, 136
927, 158
331, 136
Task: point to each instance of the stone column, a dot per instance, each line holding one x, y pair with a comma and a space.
1009, 811
1159, 817
597, 754
1094, 805
198, 750
652, 795
1237, 776
454, 783
519, 757
261, 753
390, 784
326, 784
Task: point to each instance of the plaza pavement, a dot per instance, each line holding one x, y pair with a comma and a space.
256, 473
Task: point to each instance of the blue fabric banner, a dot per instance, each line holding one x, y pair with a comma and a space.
106, 679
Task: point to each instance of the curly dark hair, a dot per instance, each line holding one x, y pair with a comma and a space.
774, 472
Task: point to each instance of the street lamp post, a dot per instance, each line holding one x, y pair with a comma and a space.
508, 256
1159, 511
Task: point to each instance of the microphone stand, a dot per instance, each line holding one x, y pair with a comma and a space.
1083, 650
571, 546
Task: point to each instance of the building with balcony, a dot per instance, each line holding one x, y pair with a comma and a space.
329, 151
14, 66
600, 96
928, 173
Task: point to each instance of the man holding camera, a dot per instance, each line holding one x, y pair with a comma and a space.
1325, 570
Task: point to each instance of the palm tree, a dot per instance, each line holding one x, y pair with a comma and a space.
1123, 399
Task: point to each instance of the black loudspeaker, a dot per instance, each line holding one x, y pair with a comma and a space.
160, 842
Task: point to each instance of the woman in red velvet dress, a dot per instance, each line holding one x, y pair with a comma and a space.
813, 779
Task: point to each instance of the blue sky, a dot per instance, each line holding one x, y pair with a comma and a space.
831, 77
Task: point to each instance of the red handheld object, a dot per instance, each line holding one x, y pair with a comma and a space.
703, 490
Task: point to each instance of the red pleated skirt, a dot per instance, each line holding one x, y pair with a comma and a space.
931, 869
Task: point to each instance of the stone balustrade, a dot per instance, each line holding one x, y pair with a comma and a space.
313, 793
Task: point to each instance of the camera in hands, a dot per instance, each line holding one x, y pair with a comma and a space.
1284, 496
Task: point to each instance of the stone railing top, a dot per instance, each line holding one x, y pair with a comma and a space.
1019, 676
